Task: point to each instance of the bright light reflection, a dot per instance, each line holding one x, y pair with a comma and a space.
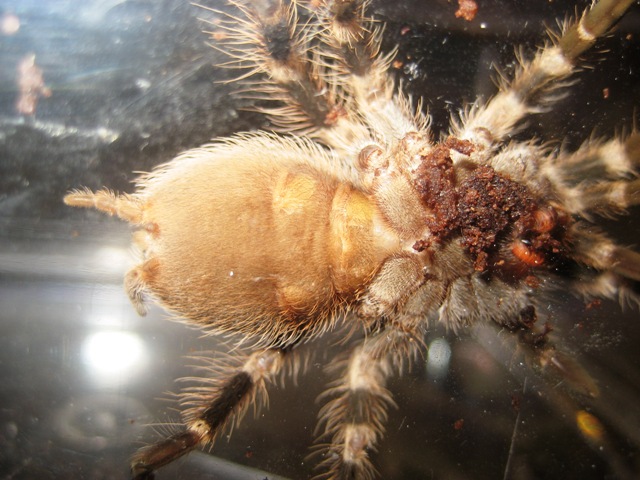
114, 356
112, 259
438, 358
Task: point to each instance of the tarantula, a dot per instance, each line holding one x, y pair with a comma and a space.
354, 214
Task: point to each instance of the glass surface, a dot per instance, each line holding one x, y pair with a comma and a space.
129, 84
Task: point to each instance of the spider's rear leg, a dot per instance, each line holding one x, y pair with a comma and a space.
353, 56
219, 404
354, 418
324, 70
266, 39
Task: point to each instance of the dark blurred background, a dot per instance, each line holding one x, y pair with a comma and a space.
128, 84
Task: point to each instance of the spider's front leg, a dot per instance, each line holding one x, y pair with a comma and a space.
219, 404
533, 86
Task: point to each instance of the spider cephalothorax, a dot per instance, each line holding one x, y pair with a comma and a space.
353, 214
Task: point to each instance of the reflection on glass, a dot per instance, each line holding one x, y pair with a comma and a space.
114, 356
438, 358
113, 259
93, 423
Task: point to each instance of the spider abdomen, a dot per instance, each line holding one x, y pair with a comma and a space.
282, 253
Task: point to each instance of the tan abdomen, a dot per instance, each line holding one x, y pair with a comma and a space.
279, 251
